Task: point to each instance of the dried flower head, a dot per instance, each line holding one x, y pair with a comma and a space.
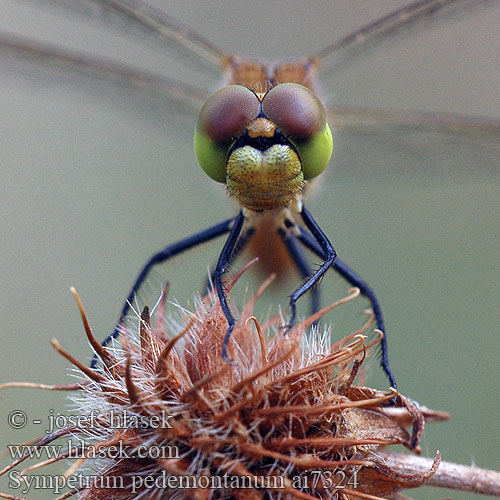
167, 417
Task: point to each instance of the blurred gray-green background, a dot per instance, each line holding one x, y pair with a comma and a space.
94, 179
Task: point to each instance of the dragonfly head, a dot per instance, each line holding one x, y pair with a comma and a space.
263, 146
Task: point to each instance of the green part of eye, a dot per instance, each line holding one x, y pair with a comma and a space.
315, 152
211, 156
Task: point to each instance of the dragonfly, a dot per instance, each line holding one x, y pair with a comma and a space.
265, 84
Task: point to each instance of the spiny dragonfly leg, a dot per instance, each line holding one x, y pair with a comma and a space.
328, 254
220, 269
160, 257
301, 262
240, 246
355, 280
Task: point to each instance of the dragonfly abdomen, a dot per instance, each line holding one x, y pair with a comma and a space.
268, 246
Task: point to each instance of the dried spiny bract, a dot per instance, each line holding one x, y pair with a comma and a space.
281, 420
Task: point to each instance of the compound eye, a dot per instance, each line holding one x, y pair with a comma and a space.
299, 114
222, 118
295, 110
226, 113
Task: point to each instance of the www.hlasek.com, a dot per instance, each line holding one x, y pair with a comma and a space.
137, 483
82, 450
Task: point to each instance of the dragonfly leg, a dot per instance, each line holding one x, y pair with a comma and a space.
220, 269
162, 256
328, 254
240, 246
302, 264
354, 279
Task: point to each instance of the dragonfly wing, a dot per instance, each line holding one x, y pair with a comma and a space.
354, 118
411, 147
414, 18
43, 67
143, 21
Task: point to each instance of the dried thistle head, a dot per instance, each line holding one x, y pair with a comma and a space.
282, 420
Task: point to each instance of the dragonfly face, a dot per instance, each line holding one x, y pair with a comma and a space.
263, 146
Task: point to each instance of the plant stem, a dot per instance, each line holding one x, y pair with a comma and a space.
449, 475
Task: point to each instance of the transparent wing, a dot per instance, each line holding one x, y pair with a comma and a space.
382, 146
44, 66
142, 20
413, 18
149, 92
